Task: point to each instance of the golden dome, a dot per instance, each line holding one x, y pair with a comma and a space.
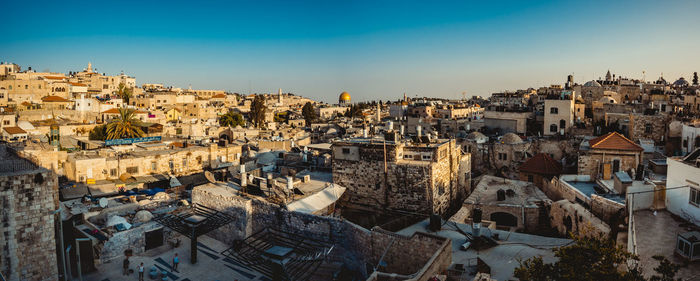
344, 97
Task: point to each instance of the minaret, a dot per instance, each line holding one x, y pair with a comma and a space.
89, 69
404, 97
279, 96
608, 76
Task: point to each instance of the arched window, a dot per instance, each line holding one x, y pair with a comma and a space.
553, 128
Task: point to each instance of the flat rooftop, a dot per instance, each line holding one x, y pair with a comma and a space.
504, 257
211, 265
656, 235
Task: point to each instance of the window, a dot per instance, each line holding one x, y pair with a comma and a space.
112, 172
685, 143
502, 156
6, 122
184, 162
407, 156
553, 128
554, 110
26, 87
694, 196
199, 160
154, 166
530, 178
562, 124
427, 157
346, 151
648, 128
132, 170
171, 164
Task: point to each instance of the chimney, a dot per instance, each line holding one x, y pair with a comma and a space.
290, 183
244, 179
391, 125
418, 131
364, 132
401, 129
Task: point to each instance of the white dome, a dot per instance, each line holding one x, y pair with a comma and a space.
511, 138
592, 83
607, 100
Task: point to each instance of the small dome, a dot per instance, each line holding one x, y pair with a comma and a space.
607, 100
511, 138
477, 137
344, 97
680, 82
592, 83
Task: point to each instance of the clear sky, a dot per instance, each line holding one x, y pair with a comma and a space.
372, 49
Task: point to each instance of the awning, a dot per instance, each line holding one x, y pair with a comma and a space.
318, 201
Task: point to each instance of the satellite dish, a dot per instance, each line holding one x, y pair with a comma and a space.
103, 202
174, 182
209, 176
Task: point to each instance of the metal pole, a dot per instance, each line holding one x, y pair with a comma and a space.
70, 274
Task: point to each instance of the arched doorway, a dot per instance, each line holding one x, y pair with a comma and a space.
504, 219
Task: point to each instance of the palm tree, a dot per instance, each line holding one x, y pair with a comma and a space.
124, 126
231, 119
124, 92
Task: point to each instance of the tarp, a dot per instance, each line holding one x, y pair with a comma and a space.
318, 201
115, 220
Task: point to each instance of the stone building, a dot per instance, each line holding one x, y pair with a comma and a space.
638, 126
508, 153
602, 156
149, 159
29, 197
508, 121
559, 113
394, 175
510, 203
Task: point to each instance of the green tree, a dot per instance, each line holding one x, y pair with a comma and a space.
98, 133
309, 113
125, 92
591, 258
124, 126
231, 119
257, 111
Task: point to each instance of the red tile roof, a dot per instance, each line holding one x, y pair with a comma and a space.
78, 84
541, 164
218, 96
614, 141
54, 99
14, 130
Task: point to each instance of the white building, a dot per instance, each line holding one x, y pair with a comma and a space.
690, 138
559, 114
683, 187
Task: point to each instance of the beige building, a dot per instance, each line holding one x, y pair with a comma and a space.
147, 159
559, 114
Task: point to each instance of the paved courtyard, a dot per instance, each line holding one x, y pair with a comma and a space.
211, 265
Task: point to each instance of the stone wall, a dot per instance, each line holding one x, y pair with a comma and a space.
571, 218
656, 130
358, 246
134, 239
590, 163
422, 186
607, 210
27, 227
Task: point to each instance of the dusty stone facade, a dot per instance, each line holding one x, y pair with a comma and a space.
27, 227
133, 239
567, 217
594, 161
177, 161
419, 178
652, 127
420, 253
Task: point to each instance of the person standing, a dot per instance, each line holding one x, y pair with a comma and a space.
176, 261
141, 269
125, 266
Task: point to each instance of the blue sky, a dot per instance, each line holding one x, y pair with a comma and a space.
372, 49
